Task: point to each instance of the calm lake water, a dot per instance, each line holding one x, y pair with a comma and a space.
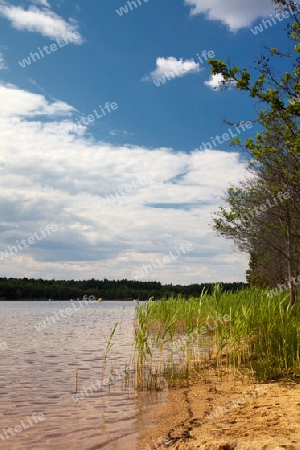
37, 376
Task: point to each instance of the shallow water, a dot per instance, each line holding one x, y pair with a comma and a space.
37, 376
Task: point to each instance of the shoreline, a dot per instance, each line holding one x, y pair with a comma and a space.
223, 415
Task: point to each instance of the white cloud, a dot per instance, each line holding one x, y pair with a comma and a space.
234, 13
38, 20
173, 67
216, 82
23, 103
49, 177
119, 133
2, 62
42, 2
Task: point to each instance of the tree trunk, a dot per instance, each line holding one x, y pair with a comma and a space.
290, 265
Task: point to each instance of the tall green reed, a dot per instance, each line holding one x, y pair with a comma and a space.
260, 338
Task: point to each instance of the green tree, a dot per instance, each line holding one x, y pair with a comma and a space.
278, 91
270, 235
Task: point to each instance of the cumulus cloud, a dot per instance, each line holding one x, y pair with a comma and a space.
24, 103
217, 81
172, 67
38, 20
234, 13
67, 179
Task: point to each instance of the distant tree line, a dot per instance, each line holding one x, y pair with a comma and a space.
38, 289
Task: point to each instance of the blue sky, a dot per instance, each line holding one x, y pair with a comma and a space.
88, 119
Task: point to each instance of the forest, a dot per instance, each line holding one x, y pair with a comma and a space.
38, 289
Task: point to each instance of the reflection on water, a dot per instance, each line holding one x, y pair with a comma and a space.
38, 375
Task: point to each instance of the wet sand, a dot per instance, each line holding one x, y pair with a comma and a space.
227, 415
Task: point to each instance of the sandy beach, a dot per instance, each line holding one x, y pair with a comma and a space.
227, 415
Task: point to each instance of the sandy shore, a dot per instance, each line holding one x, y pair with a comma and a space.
227, 415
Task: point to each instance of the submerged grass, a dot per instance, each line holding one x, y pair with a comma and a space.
246, 331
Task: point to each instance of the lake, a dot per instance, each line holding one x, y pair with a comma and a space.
42, 347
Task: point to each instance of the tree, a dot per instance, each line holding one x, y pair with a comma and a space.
278, 92
270, 235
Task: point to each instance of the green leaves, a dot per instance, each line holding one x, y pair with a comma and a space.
297, 48
270, 87
244, 81
235, 141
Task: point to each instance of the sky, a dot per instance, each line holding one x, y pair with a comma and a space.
109, 158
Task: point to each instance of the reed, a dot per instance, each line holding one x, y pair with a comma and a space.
109, 345
76, 381
246, 332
